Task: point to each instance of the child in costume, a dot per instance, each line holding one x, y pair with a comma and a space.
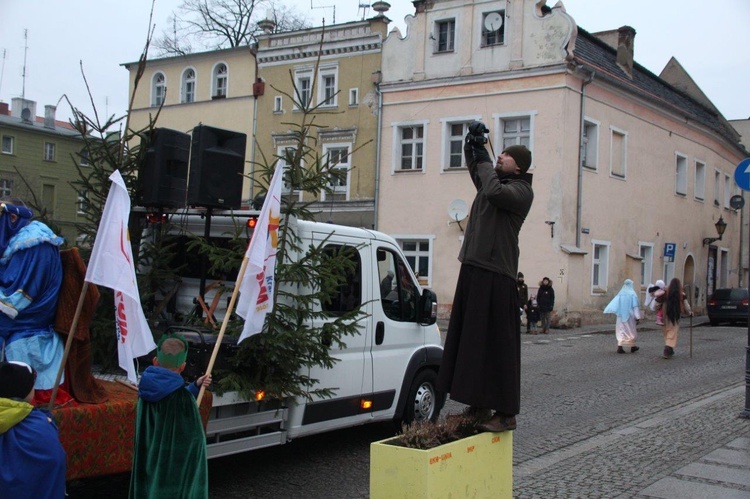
169, 458
32, 460
532, 315
654, 298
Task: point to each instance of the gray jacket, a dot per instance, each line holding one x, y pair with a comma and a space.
497, 213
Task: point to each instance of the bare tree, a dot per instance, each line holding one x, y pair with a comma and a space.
218, 24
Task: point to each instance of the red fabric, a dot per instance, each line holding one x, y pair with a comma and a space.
63, 398
98, 438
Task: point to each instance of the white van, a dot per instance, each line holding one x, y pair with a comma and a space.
387, 372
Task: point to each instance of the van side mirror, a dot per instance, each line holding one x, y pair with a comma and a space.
427, 311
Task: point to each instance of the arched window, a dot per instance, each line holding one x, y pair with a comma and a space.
158, 89
220, 80
188, 86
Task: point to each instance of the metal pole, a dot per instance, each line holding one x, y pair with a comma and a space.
746, 413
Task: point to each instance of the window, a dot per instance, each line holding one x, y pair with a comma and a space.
717, 187
680, 185
302, 88
8, 143
158, 89
417, 253
727, 190
285, 156
353, 96
188, 86
6, 187
411, 146
618, 154
348, 296
600, 263
277, 104
400, 303
647, 262
338, 161
699, 188
493, 28
48, 200
220, 81
516, 130
84, 157
446, 34
590, 152
327, 87
49, 151
82, 204
453, 138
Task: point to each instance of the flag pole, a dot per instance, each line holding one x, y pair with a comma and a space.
224, 323
68, 343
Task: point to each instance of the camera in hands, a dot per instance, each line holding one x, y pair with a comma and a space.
477, 129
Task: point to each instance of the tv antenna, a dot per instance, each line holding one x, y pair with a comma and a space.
325, 7
2, 72
25, 50
457, 211
364, 7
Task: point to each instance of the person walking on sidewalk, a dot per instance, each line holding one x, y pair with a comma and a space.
625, 305
481, 364
675, 305
546, 299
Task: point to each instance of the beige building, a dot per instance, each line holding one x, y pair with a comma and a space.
630, 172
343, 88
39, 160
213, 88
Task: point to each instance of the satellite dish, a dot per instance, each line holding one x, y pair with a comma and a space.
493, 22
457, 211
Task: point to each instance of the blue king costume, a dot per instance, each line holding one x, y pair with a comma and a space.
30, 279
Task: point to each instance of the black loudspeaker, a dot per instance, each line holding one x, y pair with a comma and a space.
217, 161
162, 178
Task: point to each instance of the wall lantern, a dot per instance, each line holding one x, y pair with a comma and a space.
721, 226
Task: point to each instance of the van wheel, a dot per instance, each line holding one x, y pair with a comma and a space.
424, 403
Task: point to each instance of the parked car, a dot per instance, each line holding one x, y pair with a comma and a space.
728, 305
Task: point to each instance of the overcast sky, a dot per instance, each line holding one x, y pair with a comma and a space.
709, 39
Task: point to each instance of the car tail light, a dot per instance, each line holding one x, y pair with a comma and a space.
745, 302
713, 303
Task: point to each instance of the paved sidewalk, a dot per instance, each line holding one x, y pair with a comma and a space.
699, 449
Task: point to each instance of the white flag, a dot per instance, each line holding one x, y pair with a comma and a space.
111, 265
258, 283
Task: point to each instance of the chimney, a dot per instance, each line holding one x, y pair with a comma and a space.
4, 109
24, 109
625, 41
49, 116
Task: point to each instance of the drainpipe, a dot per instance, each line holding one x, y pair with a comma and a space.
579, 194
377, 155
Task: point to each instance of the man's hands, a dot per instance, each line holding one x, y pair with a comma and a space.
474, 142
477, 129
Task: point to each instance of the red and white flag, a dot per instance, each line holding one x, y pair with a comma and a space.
111, 265
258, 283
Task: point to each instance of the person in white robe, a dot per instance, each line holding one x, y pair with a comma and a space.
626, 306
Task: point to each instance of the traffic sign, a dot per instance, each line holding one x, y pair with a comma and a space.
742, 174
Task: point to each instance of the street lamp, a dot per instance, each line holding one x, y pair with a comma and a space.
721, 226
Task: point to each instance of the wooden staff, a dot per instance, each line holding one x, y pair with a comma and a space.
224, 323
68, 343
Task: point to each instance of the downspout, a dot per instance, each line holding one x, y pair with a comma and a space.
377, 156
579, 194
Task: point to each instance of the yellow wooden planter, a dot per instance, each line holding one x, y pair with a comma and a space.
477, 466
